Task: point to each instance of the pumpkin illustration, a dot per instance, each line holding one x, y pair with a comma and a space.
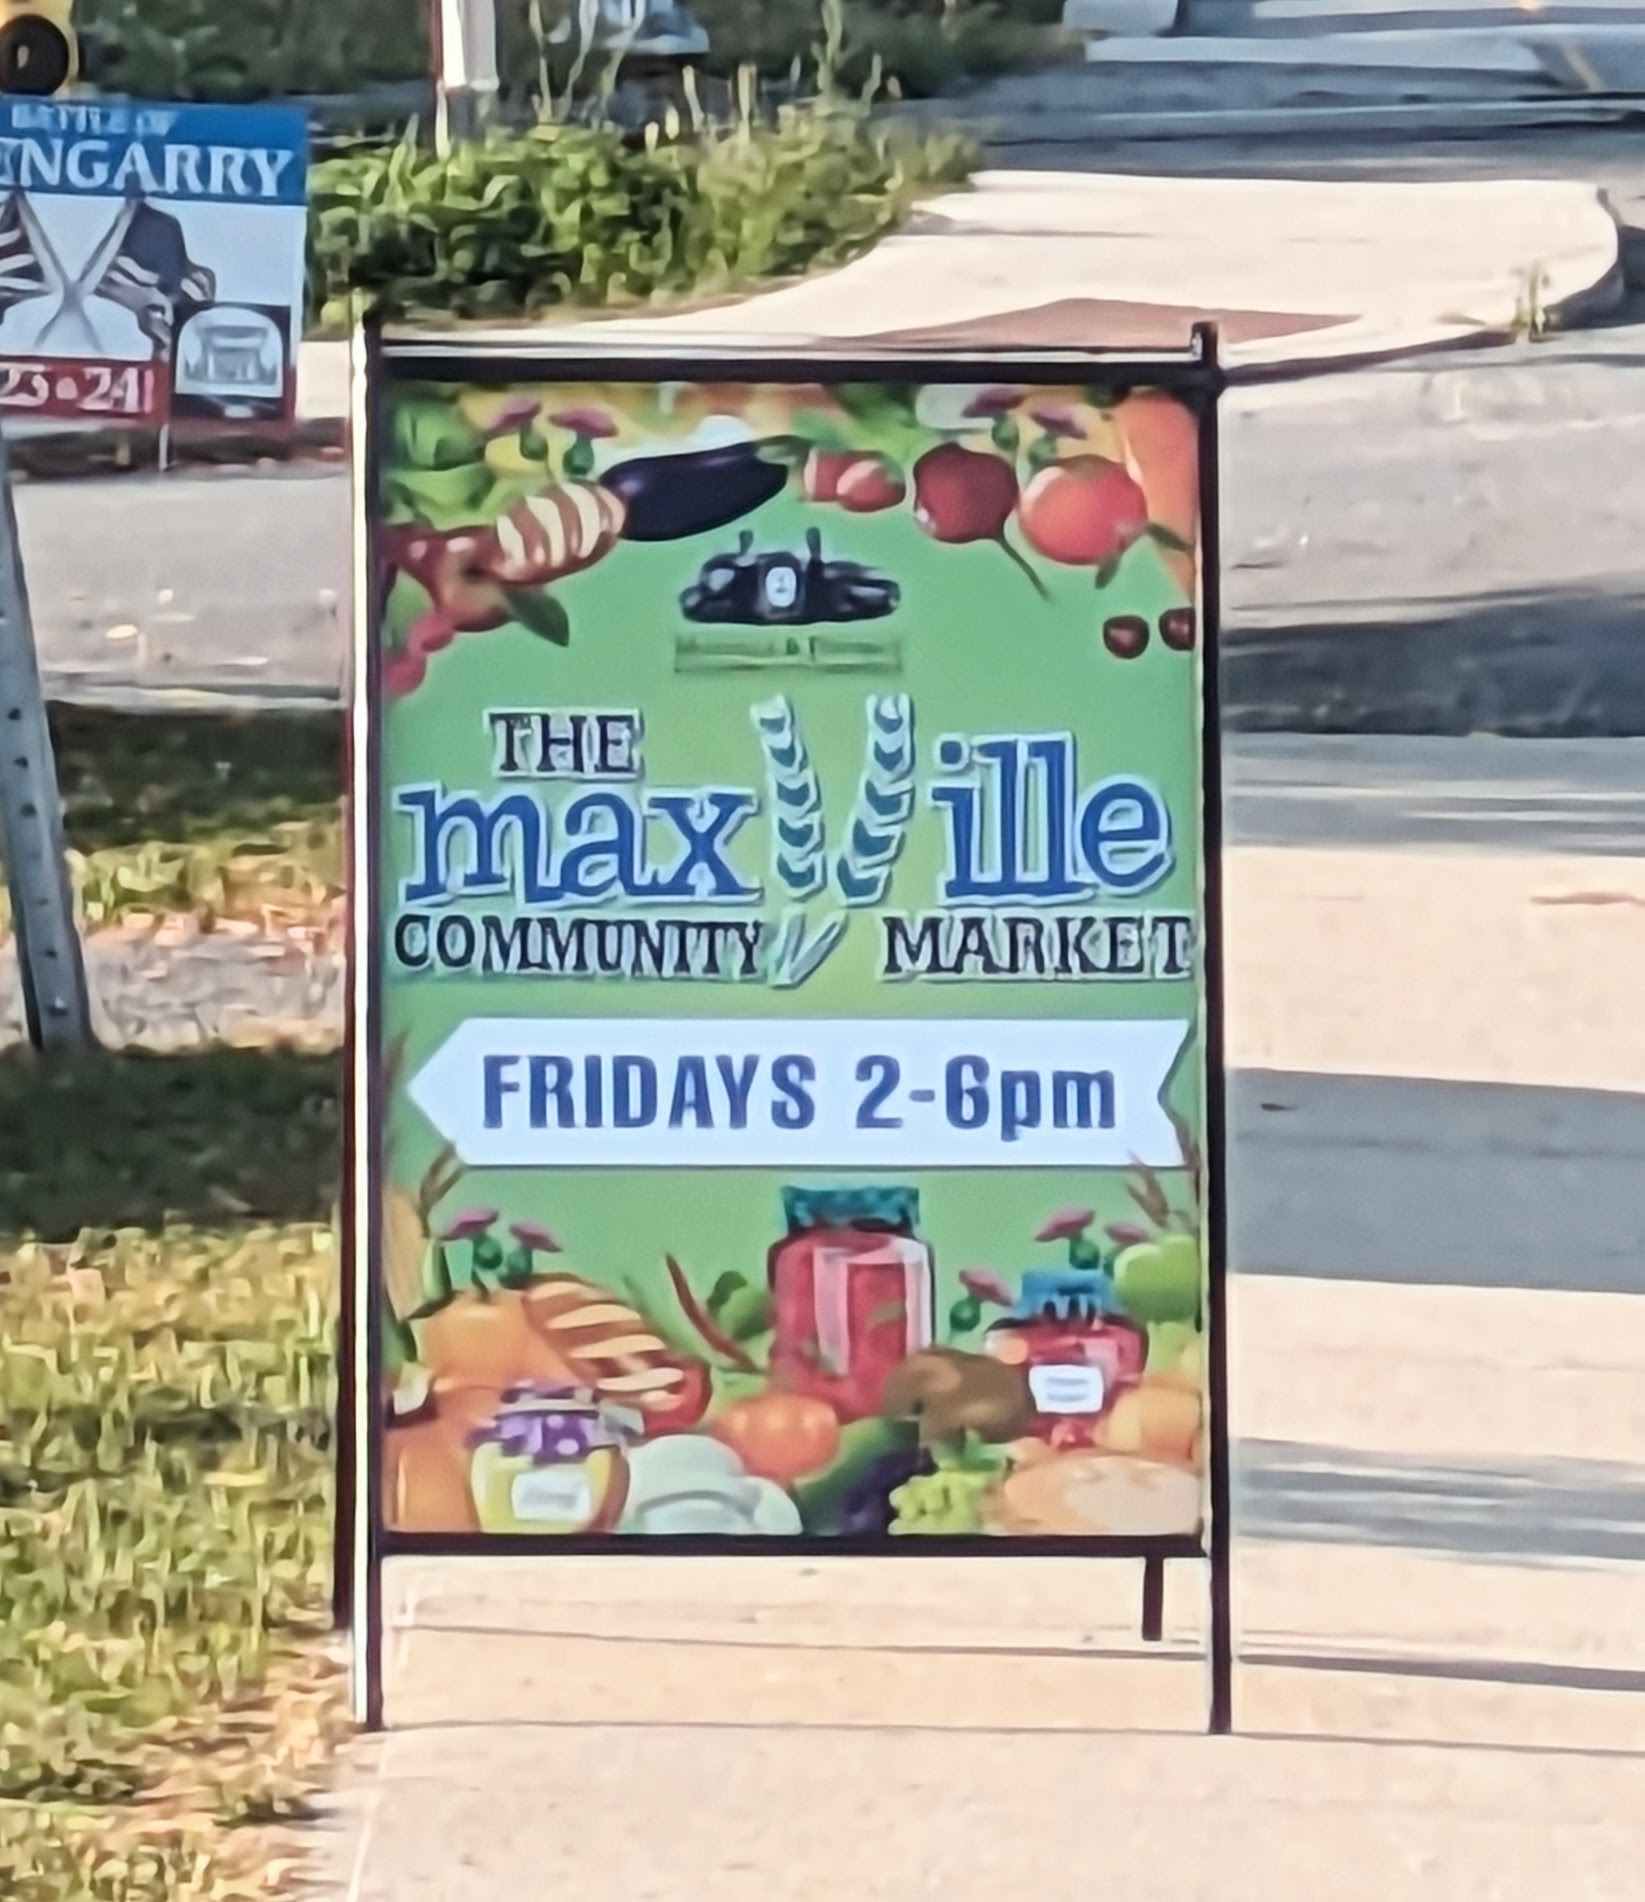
487, 1340
428, 1477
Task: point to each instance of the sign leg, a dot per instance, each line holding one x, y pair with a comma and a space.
1153, 1600
1220, 1719
51, 964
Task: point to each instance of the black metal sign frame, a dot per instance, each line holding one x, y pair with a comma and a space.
364, 1541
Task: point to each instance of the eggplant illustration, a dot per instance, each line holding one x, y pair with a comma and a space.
669, 498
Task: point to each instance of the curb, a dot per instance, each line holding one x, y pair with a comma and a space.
49, 454
1577, 311
1461, 118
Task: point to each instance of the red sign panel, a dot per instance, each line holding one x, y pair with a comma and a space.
90, 388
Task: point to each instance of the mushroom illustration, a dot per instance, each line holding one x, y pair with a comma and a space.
986, 1286
588, 426
474, 1227
531, 1239
517, 417
997, 404
1065, 1224
1059, 424
1058, 419
1069, 1224
982, 1287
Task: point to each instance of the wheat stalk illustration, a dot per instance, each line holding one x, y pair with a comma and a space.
875, 831
884, 805
798, 834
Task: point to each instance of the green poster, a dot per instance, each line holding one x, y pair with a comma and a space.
789, 948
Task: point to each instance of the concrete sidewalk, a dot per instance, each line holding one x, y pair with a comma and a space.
1300, 274
1440, 1514
1426, 1708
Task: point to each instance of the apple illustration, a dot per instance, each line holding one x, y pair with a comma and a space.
967, 495
820, 478
1084, 512
871, 483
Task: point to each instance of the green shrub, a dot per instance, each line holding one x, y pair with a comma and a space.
250, 49
921, 46
579, 215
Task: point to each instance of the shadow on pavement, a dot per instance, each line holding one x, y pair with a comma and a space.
1564, 661
121, 1140
1552, 1510
1518, 1186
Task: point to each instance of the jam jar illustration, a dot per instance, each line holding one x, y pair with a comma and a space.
1078, 1354
552, 1459
853, 1288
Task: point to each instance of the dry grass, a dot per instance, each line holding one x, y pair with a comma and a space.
212, 816
169, 1691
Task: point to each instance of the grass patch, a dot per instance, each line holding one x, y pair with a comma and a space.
165, 1543
167, 1391
210, 815
194, 778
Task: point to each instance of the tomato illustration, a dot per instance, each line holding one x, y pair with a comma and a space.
780, 1436
1084, 512
678, 1408
820, 478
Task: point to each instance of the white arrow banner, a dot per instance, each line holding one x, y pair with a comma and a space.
830, 1093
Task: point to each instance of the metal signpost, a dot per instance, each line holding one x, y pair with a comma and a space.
51, 967
786, 994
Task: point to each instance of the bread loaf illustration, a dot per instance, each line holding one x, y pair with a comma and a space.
613, 1348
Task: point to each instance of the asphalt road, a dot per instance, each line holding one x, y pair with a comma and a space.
1445, 543
1291, 19
1472, 794
1479, 507
1451, 542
